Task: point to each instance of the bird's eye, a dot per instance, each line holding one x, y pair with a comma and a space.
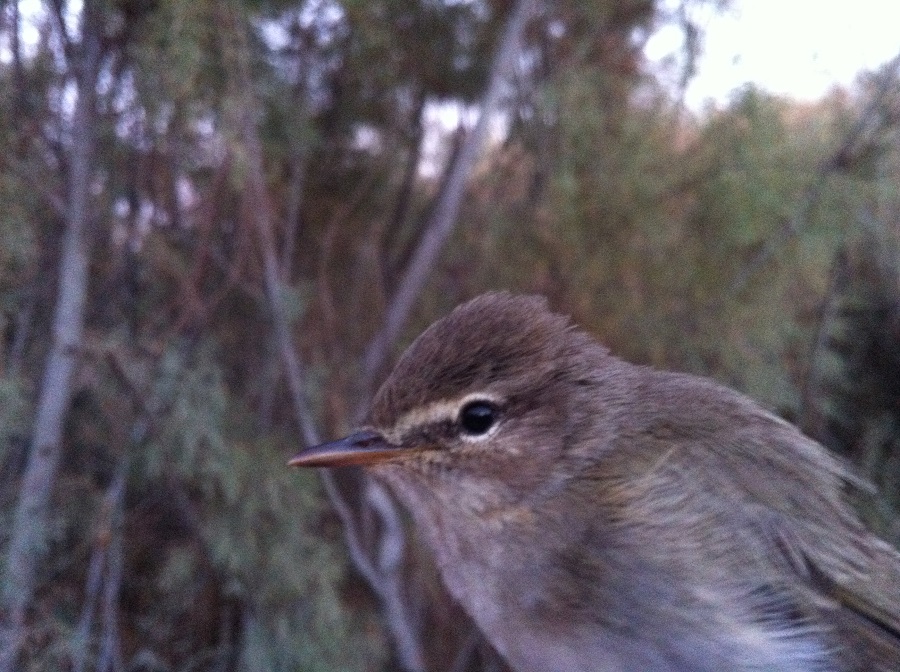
477, 417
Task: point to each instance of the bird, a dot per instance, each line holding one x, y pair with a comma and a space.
594, 515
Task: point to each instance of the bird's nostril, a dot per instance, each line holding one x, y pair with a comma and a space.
366, 439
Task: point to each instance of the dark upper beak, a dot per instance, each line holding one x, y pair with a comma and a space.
361, 448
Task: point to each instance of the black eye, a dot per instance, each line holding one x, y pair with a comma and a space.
477, 417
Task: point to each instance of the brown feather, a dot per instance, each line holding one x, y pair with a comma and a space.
621, 518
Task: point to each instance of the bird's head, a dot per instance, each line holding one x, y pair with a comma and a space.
492, 391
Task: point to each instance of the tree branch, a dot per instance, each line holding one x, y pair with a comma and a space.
446, 211
385, 584
107, 553
91, 592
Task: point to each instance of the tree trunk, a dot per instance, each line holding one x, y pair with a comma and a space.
30, 518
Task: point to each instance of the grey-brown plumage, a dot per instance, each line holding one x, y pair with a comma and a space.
596, 516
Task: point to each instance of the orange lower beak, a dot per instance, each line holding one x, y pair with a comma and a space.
362, 448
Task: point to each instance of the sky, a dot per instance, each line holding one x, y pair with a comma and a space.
798, 48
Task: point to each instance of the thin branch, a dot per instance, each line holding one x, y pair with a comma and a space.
810, 416
225, 650
18, 71
292, 218
466, 651
22, 331
446, 212
91, 593
385, 585
413, 158
272, 279
110, 643
407, 248
390, 558
352, 537
108, 528
393, 542
342, 215
59, 15
299, 156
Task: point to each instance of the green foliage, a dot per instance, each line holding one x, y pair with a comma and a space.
441, 50
17, 236
21, 203
14, 416
769, 162
646, 225
175, 53
190, 391
258, 522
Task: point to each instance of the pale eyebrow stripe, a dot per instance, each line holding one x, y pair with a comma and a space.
438, 411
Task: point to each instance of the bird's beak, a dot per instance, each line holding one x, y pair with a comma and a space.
362, 448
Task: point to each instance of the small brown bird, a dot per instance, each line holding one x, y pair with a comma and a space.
597, 516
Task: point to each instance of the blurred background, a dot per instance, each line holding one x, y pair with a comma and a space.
221, 221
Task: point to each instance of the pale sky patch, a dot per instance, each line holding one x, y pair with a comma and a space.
796, 48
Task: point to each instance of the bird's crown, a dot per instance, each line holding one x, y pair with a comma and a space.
486, 350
